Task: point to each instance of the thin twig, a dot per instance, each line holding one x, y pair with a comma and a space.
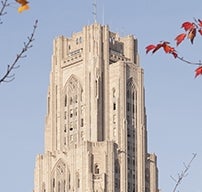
189, 62
7, 77
183, 174
2, 10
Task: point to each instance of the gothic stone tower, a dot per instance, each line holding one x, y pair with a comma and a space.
95, 133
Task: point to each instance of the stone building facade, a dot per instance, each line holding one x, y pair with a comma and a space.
95, 132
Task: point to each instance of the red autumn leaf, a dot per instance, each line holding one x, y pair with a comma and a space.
158, 46
167, 48
150, 47
180, 38
191, 35
198, 71
187, 25
200, 31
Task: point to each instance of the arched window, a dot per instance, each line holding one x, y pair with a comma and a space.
73, 93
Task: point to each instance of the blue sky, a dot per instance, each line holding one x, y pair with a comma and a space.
172, 94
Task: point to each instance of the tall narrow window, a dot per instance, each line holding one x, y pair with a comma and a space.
65, 100
69, 181
113, 92
78, 183
81, 95
114, 119
58, 186
97, 170
114, 106
53, 182
71, 126
80, 39
48, 104
71, 113
82, 109
96, 88
65, 141
128, 106
128, 94
77, 180
70, 101
64, 186
75, 111
76, 99
82, 122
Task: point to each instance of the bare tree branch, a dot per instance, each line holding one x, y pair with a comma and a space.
2, 10
183, 174
7, 77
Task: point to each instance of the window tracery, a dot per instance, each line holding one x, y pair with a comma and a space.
60, 177
131, 103
73, 96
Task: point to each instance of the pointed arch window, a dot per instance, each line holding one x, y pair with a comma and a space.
73, 91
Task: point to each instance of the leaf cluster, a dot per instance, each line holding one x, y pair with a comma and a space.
191, 29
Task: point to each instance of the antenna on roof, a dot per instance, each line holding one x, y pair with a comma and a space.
103, 15
95, 10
